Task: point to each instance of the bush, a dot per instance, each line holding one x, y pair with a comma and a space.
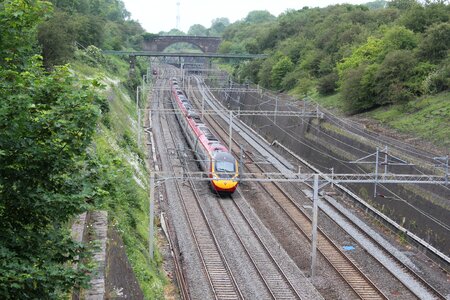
436, 43
393, 78
327, 84
357, 88
439, 80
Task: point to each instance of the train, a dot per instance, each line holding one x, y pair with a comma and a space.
213, 157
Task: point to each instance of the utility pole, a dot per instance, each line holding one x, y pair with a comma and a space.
276, 110
230, 129
388, 160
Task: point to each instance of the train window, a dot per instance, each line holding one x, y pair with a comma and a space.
224, 166
208, 134
193, 114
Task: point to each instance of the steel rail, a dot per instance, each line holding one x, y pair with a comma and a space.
271, 283
415, 276
390, 178
217, 270
345, 267
172, 240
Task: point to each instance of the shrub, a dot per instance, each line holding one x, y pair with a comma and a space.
327, 84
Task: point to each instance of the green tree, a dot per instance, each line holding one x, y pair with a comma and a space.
259, 16
283, 66
198, 29
328, 84
265, 71
392, 78
403, 4
249, 70
218, 26
357, 88
436, 42
57, 37
18, 31
175, 31
46, 123
399, 38
367, 53
89, 30
305, 84
438, 80
418, 18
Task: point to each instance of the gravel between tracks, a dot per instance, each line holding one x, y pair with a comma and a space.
293, 249
197, 282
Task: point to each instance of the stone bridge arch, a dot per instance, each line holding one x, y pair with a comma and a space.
161, 42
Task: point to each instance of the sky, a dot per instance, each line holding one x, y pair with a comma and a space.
161, 15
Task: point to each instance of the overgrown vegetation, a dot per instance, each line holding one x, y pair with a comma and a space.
122, 166
78, 24
355, 58
427, 117
374, 56
66, 146
47, 120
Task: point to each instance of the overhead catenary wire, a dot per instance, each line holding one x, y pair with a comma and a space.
258, 106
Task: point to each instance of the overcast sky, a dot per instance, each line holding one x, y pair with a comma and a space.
161, 15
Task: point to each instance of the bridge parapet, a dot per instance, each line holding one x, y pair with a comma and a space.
205, 43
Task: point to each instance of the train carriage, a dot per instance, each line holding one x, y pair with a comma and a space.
213, 157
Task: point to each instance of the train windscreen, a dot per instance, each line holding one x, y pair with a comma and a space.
224, 166
224, 163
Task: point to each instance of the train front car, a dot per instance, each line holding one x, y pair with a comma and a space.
225, 172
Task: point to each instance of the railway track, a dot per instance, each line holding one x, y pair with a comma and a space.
344, 266
348, 269
275, 279
220, 278
166, 223
271, 275
422, 288
329, 249
276, 191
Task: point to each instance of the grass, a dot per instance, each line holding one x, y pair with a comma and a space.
331, 101
427, 118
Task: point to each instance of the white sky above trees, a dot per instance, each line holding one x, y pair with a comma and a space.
156, 16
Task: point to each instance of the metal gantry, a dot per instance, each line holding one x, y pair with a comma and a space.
317, 181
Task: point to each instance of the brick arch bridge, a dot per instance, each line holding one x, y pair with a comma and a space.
204, 43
